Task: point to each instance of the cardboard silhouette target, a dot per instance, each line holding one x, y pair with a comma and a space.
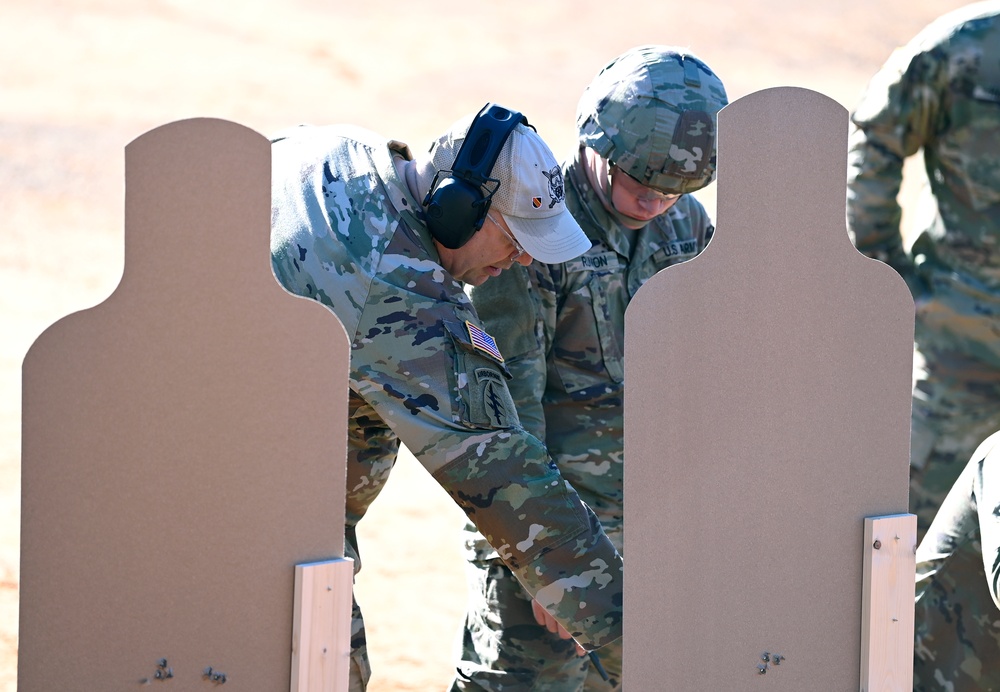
184, 447
767, 416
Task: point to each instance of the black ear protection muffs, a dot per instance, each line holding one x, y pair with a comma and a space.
456, 205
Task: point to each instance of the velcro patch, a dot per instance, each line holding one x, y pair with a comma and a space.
488, 374
483, 341
680, 248
495, 399
692, 145
601, 261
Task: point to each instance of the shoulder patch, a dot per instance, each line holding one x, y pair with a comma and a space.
496, 401
483, 341
488, 374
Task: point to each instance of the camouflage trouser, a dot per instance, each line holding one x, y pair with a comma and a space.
361, 671
956, 405
503, 648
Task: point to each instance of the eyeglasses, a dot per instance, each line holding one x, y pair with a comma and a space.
641, 192
518, 250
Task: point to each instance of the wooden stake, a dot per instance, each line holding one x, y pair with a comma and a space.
321, 631
887, 603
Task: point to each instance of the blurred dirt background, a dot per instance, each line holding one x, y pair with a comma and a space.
80, 79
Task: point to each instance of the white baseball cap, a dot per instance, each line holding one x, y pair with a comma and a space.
531, 195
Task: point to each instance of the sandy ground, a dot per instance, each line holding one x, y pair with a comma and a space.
79, 79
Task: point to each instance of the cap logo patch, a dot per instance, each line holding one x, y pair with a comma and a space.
536, 202
557, 188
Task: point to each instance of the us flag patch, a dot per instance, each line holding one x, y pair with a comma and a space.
483, 341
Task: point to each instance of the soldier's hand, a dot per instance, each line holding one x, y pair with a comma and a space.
543, 618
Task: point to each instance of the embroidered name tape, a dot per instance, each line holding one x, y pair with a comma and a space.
483, 341
679, 248
595, 262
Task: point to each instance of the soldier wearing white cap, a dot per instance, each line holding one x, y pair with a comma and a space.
387, 242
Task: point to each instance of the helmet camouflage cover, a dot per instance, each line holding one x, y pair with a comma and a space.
653, 112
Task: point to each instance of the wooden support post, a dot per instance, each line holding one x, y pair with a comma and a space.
321, 629
887, 603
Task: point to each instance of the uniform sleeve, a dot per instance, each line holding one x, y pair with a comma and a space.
897, 115
447, 399
968, 514
513, 311
987, 489
952, 527
551, 541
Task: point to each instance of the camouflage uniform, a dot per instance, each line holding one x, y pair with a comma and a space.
345, 233
940, 94
958, 594
562, 326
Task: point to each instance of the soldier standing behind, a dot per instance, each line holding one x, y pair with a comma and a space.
647, 138
940, 94
386, 242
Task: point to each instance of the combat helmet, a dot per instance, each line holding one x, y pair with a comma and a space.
653, 112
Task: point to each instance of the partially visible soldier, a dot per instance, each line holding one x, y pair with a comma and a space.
386, 241
646, 138
940, 95
958, 584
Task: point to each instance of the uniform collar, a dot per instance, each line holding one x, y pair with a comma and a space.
400, 197
588, 208
602, 227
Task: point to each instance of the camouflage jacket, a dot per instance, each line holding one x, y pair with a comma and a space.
563, 327
939, 95
345, 233
957, 619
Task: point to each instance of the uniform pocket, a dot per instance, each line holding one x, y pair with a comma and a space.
588, 344
611, 339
